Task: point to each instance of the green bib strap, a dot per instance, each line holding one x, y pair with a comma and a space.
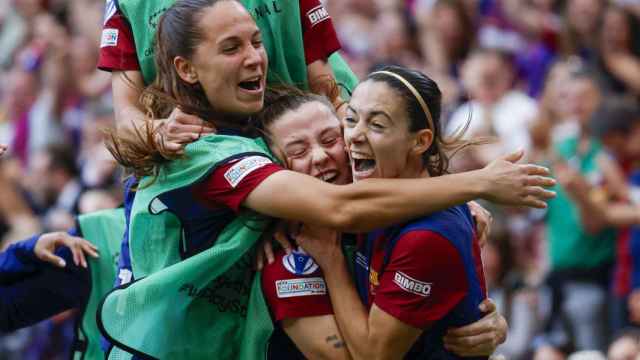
104, 229
202, 307
281, 27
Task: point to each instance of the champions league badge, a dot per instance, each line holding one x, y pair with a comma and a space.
299, 263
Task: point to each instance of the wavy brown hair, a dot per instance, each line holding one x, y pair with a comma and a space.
443, 148
178, 34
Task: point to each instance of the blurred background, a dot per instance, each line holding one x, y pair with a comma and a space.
559, 78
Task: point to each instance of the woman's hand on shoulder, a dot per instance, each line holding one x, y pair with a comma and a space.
507, 183
483, 219
265, 253
181, 129
322, 243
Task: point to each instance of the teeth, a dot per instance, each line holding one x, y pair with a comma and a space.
361, 156
329, 176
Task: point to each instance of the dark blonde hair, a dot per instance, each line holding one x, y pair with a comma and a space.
443, 148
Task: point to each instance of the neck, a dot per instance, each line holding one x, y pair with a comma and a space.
415, 169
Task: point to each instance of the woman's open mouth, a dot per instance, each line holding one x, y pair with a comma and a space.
253, 85
363, 166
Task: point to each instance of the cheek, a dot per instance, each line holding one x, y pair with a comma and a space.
338, 154
300, 165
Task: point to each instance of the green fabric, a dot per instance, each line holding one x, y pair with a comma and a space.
570, 246
203, 307
281, 29
104, 229
118, 354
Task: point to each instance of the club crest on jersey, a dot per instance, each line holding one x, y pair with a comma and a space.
409, 284
299, 263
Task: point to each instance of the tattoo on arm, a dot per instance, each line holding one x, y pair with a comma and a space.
335, 341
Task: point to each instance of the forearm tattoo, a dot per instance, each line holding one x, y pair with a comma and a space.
335, 341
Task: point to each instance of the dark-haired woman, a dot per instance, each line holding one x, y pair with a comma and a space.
195, 218
414, 279
306, 134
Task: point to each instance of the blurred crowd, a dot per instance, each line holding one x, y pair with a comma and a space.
558, 78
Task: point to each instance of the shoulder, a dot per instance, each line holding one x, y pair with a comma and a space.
225, 145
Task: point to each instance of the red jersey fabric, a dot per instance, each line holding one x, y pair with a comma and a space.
117, 48
423, 281
221, 189
118, 52
290, 295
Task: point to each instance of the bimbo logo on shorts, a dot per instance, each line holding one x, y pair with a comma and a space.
412, 285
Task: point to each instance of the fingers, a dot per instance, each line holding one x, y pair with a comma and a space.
533, 203
49, 257
284, 242
477, 345
487, 306
260, 261
514, 156
484, 325
268, 252
537, 180
531, 169
89, 248
539, 192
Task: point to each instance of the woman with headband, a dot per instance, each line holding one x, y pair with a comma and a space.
196, 217
416, 279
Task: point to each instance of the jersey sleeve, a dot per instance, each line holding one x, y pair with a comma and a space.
117, 46
230, 183
295, 293
424, 279
319, 35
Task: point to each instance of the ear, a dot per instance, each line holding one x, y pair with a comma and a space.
185, 70
424, 139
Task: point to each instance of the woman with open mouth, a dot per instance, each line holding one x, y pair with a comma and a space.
304, 132
417, 278
196, 217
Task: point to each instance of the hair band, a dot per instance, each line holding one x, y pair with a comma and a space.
415, 93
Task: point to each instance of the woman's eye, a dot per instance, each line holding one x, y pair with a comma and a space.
329, 141
257, 43
296, 152
230, 49
349, 120
376, 126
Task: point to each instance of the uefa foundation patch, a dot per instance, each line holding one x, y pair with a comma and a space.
301, 287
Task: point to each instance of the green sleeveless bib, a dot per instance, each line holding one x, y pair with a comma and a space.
281, 29
103, 229
208, 306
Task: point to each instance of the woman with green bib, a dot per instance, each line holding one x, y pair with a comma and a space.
195, 218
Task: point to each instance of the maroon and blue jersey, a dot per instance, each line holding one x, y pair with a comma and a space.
426, 273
